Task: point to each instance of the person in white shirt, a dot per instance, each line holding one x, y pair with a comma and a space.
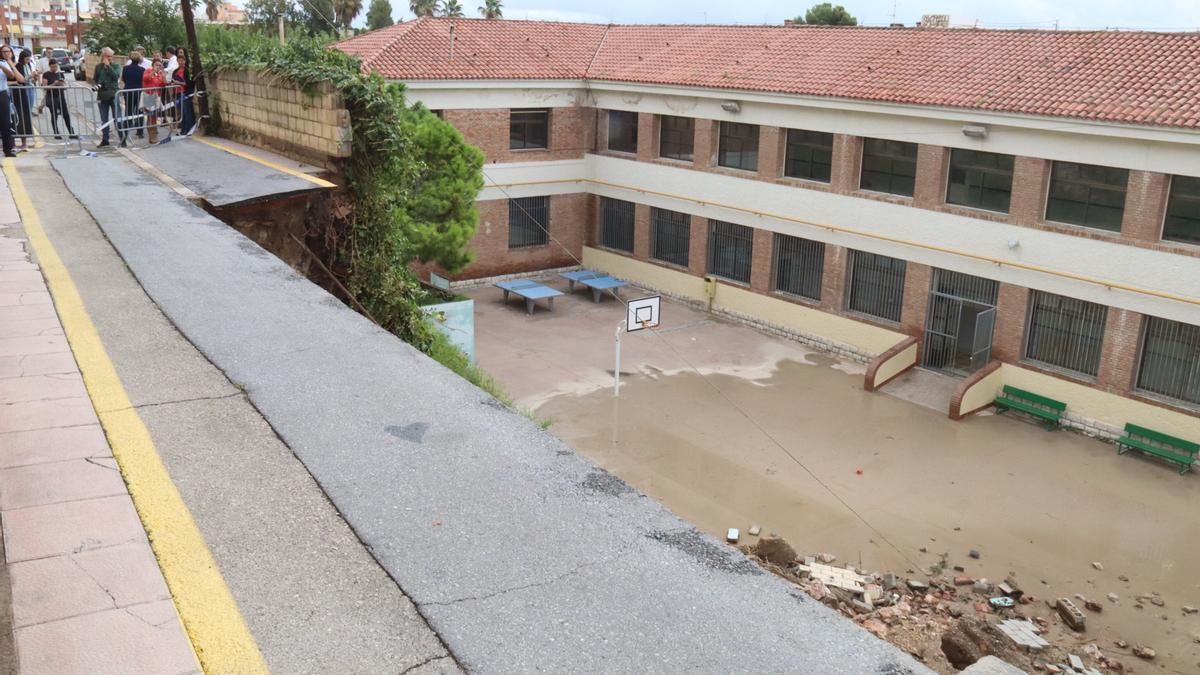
172, 63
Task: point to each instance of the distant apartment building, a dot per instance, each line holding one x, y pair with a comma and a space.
228, 14
1028, 197
37, 24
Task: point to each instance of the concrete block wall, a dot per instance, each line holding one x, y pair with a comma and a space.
264, 109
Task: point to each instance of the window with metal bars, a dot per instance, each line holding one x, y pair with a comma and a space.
808, 155
676, 137
982, 180
528, 129
730, 250
876, 285
528, 222
1084, 194
1183, 210
1064, 332
798, 266
670, 236
1170, 364
889, 166
616, 224
738, 146
622, 131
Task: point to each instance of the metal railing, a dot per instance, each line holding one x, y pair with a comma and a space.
670, 236
799, 266
730, 250
73, 112
1170, 363
876, 285
616, 224
1065, 332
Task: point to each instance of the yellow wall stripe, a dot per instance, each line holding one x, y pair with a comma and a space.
210, 616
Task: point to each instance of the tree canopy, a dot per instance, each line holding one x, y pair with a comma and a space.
153, 24
491, 9
379, 15
827, 14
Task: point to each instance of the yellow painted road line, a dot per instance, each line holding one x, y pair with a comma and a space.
210, 616
278, 167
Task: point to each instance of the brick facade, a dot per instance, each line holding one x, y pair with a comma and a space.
572, 133
571, 217
577, 130
1145, 204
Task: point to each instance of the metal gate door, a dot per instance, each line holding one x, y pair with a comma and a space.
981, 345
941, 331
956, 299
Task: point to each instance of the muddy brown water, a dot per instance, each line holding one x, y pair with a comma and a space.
1041, 505
702, 400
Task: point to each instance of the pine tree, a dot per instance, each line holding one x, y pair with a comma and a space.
379, 14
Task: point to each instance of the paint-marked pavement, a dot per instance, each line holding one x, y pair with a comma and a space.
87, 594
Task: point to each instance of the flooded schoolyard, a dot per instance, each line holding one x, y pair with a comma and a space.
729, 427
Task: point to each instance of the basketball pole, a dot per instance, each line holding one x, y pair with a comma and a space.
617, 367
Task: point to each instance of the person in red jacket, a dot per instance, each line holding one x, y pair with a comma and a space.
152, 84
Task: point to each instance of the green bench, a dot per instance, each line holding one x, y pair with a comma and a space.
1157, 443
1031, 404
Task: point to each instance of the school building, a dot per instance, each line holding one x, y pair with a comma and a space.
1011, 207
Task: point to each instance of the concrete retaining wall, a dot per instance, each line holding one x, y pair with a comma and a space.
266, 110
891, 364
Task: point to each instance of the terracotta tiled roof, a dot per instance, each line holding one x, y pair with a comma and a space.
1124, 77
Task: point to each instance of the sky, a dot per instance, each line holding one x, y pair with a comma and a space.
1148, 14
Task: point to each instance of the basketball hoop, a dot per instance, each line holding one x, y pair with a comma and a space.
641, 313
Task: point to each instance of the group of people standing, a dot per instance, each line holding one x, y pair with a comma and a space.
152, 90
18, 100
138, 98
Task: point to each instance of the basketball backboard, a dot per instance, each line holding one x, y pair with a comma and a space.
643, 313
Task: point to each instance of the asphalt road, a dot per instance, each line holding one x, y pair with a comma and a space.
314, 599
520, 553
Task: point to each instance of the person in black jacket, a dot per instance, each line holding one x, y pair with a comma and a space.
131, 97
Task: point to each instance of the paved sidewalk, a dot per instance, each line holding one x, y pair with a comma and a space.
87, 593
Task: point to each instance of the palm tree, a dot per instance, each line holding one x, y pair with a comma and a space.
212, 8
345, 11
491, 9
422, 7
452, 9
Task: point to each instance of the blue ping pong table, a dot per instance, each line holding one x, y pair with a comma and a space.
597, 281
529, 290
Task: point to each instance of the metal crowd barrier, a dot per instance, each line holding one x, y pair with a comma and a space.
72, 113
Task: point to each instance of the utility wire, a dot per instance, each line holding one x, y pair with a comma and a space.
732, 404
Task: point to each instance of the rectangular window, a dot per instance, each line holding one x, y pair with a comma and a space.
622, 131
798, 266
1065, 332
982, 180
676, 137
1183, 210
670, 236
738, 146
528, 129
730, 250
616, 224
889, 166
1084, 194
809, 155
876, 285
528, 222
1170, 360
